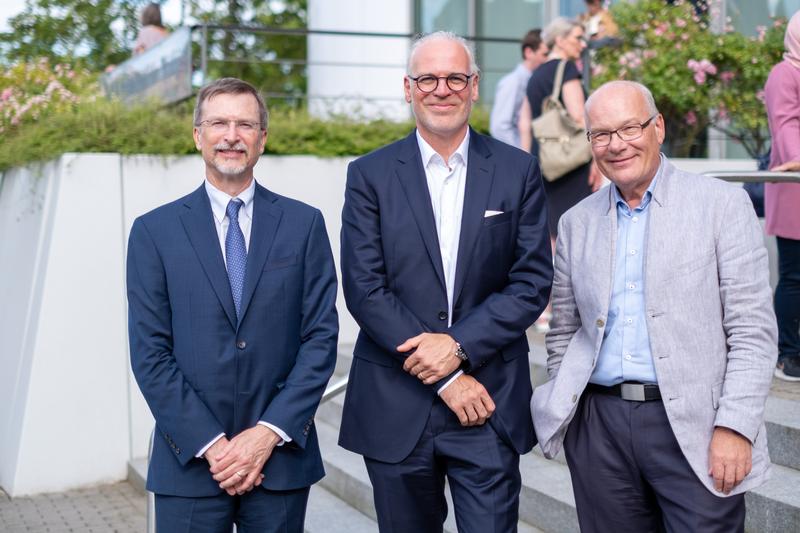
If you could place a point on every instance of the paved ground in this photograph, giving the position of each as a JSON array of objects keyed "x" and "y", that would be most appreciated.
[{"x": 117, "y": 508}]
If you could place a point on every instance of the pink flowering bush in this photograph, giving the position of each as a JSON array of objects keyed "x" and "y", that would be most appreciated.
[
  {"x": 29, "y": 91},
  {"x": 699, "y": 78}
]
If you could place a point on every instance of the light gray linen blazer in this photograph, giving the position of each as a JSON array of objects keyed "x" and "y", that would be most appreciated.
[{"x": 709, "y": 314}]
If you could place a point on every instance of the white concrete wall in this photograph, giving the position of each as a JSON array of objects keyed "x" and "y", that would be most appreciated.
[
  {"x": 72, "y": 414},
  {"x": 373, "y": 86}
]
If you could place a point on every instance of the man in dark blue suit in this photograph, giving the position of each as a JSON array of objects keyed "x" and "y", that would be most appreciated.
[
  {"x": 445, "y": 263},
  {"x": 233, "y": 330}
]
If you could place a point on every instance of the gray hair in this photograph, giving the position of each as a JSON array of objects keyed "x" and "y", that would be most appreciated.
[
  {"x": 229, "y": 86},
  {"x": 558, "y": 27},
  {"x": 649, "y": 101},
  {"x": 445, "y": 36}
]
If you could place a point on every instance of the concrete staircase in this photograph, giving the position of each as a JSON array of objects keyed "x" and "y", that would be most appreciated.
[{"x": 342, "y": 501}]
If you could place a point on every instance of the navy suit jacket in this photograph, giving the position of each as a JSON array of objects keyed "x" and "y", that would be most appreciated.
[
  {"x": 394, "y": 287},
  {"x": 202, "y": 371}
]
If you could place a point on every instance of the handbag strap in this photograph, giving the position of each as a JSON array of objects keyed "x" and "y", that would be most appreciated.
[{"x": 553, "y": 98}]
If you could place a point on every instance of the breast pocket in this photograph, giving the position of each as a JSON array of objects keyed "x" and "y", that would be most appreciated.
[
  {"x": 280, "y": 262},
  {"x": 494, "y": 220}
]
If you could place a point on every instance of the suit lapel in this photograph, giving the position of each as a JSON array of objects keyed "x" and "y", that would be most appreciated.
[
  {"x": 199, "y": 226},
  {"x": 480, "y": 175},
  {"x": 412, "y": 178},
  {"x": 266, "y": 218}
]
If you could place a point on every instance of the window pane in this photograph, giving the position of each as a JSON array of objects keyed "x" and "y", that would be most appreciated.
[
  {"x": 503, "y": 18},
  {"x": 451, "y": 15},
  {"x": 747, "y": 14}
]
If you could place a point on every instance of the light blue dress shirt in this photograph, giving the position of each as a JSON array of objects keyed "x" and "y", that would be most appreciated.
[{"x": 625, "y": 352}]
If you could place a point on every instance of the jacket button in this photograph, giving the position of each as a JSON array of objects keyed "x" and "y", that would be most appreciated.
[
  {"x": 600, "y": 323},
  {"x": 241, "y": 345},
  {"x": 442, "y": 315},
  {"x": 574, "y": 398}
]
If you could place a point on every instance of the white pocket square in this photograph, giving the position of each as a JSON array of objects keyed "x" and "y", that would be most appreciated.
[{"x": 490, "y": 213}]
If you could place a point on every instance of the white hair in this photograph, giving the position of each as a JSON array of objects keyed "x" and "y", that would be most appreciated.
[
  {"x": 649, "y": 101},
  {"x": 445, "y": 36},
  {"x": 558, "y": 27}
]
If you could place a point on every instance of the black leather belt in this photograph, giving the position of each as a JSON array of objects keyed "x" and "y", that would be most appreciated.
[{"x": 634, "y": 392}]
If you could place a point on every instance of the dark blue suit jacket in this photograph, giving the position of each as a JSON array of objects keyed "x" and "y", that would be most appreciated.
[
  {"x": 203, "y": 372},
  {"x": 394, "y": 287}
]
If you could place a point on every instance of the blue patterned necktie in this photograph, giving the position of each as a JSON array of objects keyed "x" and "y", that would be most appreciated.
[{"x": 235, "y": 253}]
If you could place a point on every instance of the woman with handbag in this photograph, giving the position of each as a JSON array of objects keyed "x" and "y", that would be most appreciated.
[
  {"x": 565, "y": 38},
  {"x": 555, "y": 105}
]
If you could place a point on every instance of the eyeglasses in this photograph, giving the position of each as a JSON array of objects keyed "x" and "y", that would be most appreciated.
[
  {"x": 427, "y": 83},
  {"x": 631, "y": 132},
  {"x": 218, "y": 125}
]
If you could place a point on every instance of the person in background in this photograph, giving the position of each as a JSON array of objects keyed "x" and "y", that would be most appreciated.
[
  {"x": 509, "y": 96},
  {"x": 152, "y": 31},
  {"x": 597, "y": 21},
  {"x": 782, "y": 200},
  {"x": 565, "y": 39}
]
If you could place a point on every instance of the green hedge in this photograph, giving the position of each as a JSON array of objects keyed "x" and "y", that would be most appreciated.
[{"x": 104, "y": 126}]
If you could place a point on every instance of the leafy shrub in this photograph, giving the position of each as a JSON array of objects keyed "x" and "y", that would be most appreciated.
[{"x": 107, "y": 126}]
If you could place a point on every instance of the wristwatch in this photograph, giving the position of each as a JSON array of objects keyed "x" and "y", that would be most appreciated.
[{"x": 460, "y": 353}]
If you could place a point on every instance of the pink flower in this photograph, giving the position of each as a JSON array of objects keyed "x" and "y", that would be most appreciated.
[
  {"x": 7, "y": 92},
  {"x": 661, "y": 29},
  {"x": 700, "y": 69},
  {"x": 762, "y": 31},
  {"x": 722, "y": 112},
  {"x": 699, "y": 77},
  {"x": 690, "y": 118},
  {"x": 680, "y": 23},
  {"x": 649, "y": 54},
  {"x": 726, "y": 76}
]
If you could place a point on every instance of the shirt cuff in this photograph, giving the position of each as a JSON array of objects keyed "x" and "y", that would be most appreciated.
[
  {"x": 205, "y": 448},
  {"x": 449, "y": 381},
  {"x": 282, "y": 434}
]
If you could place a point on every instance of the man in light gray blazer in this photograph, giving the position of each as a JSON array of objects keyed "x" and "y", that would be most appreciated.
[{"x": 663, "y": 337}]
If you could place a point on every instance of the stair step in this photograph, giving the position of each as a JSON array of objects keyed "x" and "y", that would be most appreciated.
[
  {"x": 328, "y": 513},
  {"x": 137, "y": 473}
]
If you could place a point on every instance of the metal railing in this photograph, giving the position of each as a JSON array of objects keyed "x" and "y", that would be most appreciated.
[
  {"x": 330, "y": 392},
  {"x": 756, "y": 176}
]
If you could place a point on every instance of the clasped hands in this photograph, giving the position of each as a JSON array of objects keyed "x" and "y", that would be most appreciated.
[
  {"x": 237, "y": 463},
  {"x": 433, "y": 359}
]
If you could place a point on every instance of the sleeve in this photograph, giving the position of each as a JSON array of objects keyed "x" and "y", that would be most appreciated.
[
  {"x": 292, "y": 410},
  {"x": 181, "y": 416},
  {"x": 748, "y": 318},
  {"x": 502, "y": 125},
  {"x": 500, "y": 318},
  {"x": 782, "y": 97},
  {"x": 366, "y": 289},
  {"x": 571, "y": 72},
  {"x": 566, "y": 319}
]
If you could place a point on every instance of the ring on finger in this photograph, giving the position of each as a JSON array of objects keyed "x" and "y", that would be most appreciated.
[{"x": 241, "y": 473}]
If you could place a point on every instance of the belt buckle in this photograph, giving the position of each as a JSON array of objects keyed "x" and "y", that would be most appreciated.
[{"x": 633, "y": 392}]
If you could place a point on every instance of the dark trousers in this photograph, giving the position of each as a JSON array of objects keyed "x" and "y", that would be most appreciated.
[
  {"x": 257, "y": 511},
  {"x": 483, "y": 472},
  {"x": 629, "y": 474},
  {"x": 787, "y": 298}
]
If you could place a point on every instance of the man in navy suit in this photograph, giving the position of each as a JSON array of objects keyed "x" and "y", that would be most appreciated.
[
  {"x": 233, "y": 329},
  {"x": 445, "y": 263}
]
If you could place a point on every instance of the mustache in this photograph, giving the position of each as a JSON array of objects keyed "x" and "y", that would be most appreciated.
[{"x": 227, "y": 146}]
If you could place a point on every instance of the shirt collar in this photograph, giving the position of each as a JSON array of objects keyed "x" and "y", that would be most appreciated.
[
  {"x": 219, "y": 200},
  {"x": 427, "y": 152},
  {"x": 648, "y": 195}
]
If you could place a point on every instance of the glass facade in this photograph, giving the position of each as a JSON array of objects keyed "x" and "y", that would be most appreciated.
[
  {"x": 747, "y": 15},
  {"x": 509, "y": 19}
]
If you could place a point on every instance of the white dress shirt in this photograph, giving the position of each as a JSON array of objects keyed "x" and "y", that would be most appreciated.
[
  {"x": 219, "y": 205},
  {"x": 446, "y": 184}
]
